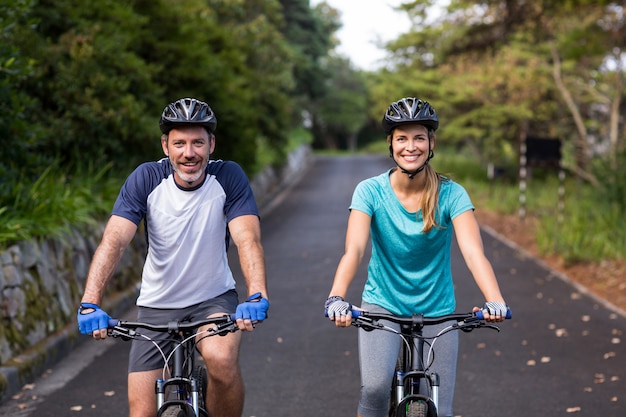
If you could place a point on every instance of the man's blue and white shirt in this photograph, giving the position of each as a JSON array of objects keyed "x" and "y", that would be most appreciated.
[{"x": 187, "y": 230}]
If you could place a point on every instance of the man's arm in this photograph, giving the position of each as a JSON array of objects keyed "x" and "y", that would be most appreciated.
[
  {"x": 246, "y": 234},
  {"x": 117, "y": 235}
]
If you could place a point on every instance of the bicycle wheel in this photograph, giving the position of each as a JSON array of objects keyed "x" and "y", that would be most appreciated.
[
  {"x": 174, "y": 411},
  {"x": 201, "y": 376},
  {"x": 417, "y": 408}
]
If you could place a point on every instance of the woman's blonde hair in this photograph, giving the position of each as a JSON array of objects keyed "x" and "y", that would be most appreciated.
[{"x": 430, "y": 199}]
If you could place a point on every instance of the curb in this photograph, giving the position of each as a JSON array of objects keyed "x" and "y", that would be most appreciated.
[{"x": 580, "y": 288}]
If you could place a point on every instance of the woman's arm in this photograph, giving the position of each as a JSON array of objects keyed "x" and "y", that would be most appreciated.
[
  {"x": 357, "y": 237},
  {"x": 471, "y": 244}
]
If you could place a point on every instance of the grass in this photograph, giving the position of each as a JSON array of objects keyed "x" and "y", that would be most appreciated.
[{"x": 54, "y": 203}]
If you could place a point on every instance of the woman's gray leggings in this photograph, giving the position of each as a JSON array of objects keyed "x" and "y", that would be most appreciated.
[{"x": 378, "y": 353}]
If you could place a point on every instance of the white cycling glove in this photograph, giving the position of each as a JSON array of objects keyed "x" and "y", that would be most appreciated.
[
  {"x": 495, "y": 308},
  {"x": 336, "y": 306}
]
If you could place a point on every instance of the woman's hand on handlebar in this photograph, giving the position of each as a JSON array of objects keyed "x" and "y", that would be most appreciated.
[
  {"x": 338, "y": 310},
  {"x": 494, "y": 311}
]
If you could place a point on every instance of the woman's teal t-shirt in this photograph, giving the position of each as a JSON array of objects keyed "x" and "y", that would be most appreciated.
[{"x": 409, "y": 271}]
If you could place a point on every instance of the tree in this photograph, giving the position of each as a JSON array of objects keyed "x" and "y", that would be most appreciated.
[
  {"x": 504, "y": 64},
  {"x": 17, "y": 134}
]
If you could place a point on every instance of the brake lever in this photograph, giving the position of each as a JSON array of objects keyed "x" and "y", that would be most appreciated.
[
  {"x": 474, "y": 323},
  {"x": 124, "y": 334},
  {"x": 225, "y": 328},
  {"x": 366, "y": 323}
]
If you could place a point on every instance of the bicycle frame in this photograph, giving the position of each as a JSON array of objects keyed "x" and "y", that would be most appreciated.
[
  {"x": 185, "y": 383},
  {"x": 406, "y": 397},
  {"x": 181, "y": 392},
  {"x": 411, "y": 375}
]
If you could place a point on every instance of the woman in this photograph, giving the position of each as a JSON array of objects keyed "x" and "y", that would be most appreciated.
[{"x": 409, "y": 212}]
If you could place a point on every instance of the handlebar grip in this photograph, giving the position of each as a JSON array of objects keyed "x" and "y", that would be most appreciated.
[
  {"x": 113, "y": 323},
  {"x": 355, "y": 313},
  {"x": 479, "y": 314}
]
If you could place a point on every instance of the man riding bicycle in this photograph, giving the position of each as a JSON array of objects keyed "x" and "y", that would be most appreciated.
[{"x": 191, "y": 207}]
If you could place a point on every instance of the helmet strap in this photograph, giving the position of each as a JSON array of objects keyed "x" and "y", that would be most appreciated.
[{"x": 412, "y": 174}]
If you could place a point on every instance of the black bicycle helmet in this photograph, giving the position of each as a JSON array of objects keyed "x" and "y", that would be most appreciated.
[
  {"x": 187, "y": 112},
  {"x": 410, "y": 110}
]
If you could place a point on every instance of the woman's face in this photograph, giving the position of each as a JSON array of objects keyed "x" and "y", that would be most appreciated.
[{"x": 410, "y": 146}]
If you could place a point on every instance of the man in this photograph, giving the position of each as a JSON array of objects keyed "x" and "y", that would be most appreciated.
[{"x": 191, "y": 207}]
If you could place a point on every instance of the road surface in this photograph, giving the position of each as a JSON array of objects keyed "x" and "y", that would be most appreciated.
[{"x": 561, "y": 355}]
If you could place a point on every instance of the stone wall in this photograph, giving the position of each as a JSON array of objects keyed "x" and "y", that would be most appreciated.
[{"x": 41, "y": 283}]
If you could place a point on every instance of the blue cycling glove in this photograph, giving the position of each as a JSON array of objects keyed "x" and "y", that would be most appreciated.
[
  {"x": 254, "y": 308},
  {"x": 92, "y": 321}
]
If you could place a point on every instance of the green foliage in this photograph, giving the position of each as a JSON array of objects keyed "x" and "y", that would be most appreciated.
[
  {"x": 82, "y": 86},
  {"x": 590, "y": 228},
  {"x": 17, "y": 136},
  {"x": 499, "y": 71},
  {"x": 54, "y": 203},
  {"x": 342, "y": 111}
]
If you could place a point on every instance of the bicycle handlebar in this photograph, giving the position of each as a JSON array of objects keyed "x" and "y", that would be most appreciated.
[
  {"x": 465, "y": 321},
  {"x": 224, "y": 324},
  {"x": 427, "y": 320}
]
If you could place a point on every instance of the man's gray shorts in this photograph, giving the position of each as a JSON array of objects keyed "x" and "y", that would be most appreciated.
[{"x": 144, "y": 356}]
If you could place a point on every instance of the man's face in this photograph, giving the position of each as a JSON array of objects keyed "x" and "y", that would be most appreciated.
[{"x": 188, "y": 149}]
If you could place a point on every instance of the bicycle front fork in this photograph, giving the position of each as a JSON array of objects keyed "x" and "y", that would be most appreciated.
[
  {"x": 178, "y": 384},
  {"x": 415, "y": 377}
]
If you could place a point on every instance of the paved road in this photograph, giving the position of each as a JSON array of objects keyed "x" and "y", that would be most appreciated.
[{"x": 561, "y": 355}]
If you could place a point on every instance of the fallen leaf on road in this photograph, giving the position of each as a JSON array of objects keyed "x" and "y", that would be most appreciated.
[{"x": 561, "y": 333}]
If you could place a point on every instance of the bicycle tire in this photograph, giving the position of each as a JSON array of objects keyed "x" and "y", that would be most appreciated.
[
  {"x": 201, "y": 376},
  {"x": 174, "y": 411},
  {"x": 417, "y": 408}
]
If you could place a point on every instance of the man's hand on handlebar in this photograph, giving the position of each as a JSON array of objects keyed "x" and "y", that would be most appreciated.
[
  {"x": 93, "y": 320},
  {"x": 251, "y": 311}
]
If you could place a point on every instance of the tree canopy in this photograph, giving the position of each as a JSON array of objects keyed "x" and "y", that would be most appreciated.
[{"x": 501, "y": 70}]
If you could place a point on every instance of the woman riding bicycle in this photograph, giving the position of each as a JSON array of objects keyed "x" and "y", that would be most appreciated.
[{"x": 409, "y": 212}]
